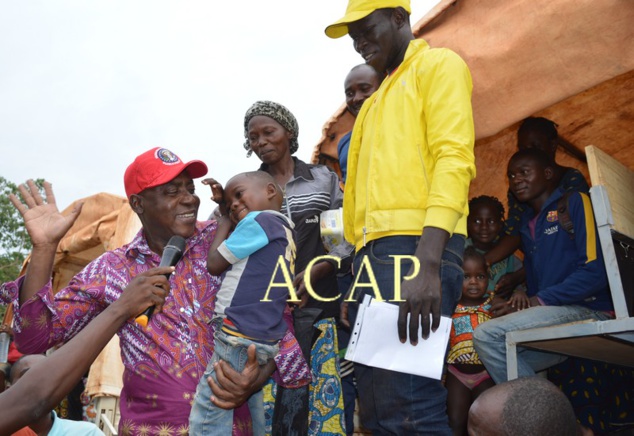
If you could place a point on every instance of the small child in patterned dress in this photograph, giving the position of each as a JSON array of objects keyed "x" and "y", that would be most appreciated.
[{"x": 466, "y": 376}]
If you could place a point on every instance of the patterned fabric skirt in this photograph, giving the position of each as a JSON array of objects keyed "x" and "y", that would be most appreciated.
[{"x": 325, "y": 415}]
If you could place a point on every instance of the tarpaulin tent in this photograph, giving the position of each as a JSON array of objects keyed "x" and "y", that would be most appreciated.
[{"x": 569, "y": 60}]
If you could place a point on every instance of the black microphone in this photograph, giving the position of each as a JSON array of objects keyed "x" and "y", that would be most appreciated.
[{"x": 172, "y": 253}]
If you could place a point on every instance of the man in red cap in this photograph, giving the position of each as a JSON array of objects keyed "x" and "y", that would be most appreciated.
[
  {"x": 410, "y": 164},
  {"x": 163, "y": 361}
]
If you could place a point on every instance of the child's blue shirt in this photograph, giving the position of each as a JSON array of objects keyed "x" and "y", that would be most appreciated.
[{"x": 256, "y": 250}]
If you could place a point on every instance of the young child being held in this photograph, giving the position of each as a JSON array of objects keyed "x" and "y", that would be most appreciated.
[
  {"x": 247, "y": 259},
  {"x": 484, "y": 223},
  {"x": 466, "y": 376}
]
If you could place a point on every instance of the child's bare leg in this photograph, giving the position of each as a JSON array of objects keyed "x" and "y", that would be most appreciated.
[{"x": 458, "y": 403}]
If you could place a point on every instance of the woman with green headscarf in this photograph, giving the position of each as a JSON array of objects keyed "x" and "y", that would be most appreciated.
[{"x": 271, "y": 132}]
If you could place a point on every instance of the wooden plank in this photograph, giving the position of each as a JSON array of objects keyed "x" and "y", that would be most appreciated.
[
  {"x": 601, "y": 348},
  {"x": 619, "y": 182}
]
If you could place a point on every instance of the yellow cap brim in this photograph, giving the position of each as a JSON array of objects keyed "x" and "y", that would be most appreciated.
[{"x": 340, "y": 27}]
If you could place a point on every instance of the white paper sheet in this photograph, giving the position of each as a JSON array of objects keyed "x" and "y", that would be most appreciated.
[{"x": 374, "y": 342}]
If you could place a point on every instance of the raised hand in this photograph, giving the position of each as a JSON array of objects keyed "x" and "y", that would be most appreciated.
[
  {"x": 46, "y": 226},
  {"x": 217, "y": 195},
  {"x": 217, "y": 192},
  {"x": 43, "y": 221}
]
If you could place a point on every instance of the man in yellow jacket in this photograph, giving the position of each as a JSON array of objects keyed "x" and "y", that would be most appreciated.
[{"x": 410, "y": 164}]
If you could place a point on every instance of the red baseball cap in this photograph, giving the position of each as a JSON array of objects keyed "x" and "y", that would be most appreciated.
[{"x": 156, "y": 167}]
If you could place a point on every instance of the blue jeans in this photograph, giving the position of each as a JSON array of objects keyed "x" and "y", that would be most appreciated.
[
  {"x": 207, "y": 419},
  {"x": 489, "y": 338},
  {"x": 391, "y": 402}
]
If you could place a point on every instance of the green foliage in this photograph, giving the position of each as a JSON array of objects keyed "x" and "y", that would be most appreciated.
[{"x": 15, "y": 243}]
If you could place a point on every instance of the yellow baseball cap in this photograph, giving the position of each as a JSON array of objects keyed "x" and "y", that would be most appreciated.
[{"x": 358, "y": 9}]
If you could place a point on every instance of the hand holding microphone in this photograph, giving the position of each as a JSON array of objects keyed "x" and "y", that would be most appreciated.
[{"x": 172, "y": 253}]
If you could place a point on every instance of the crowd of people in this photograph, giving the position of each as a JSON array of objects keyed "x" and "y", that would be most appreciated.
[{"x": 249, "y": 326}]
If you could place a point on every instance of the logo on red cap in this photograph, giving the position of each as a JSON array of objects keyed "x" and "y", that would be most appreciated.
[{"x": 167, "y": 156}]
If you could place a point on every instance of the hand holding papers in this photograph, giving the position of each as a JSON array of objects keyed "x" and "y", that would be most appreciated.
[{"x": 374, "y": 342}]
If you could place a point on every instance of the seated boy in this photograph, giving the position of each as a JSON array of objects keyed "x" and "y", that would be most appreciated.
[
  {"x": 565, "y": 273},
  {"x": 260, "y": 251}
]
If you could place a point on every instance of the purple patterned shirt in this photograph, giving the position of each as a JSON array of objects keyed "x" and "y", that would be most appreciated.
[{"x": 163, "y": 362}]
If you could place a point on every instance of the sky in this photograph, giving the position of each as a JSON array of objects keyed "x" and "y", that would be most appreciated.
[{"x": 86, "y": 86}]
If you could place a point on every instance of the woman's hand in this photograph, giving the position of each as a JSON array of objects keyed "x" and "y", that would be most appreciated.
[
  {"x": 300, "y": 288},
  {"x": 317, "y": 272}
]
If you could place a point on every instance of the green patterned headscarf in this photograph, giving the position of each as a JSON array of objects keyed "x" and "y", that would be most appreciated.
[{"x": 276, "y": 112}]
